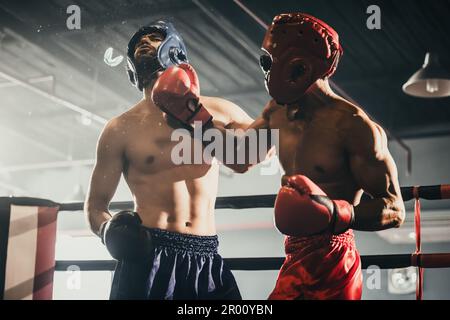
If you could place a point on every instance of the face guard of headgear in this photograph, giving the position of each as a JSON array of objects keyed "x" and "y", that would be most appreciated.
[
  {"x": 298, "y": 50},
  {"x": 171, "y": 51}
]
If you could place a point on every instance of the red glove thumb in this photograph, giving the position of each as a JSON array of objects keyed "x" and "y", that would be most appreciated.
[
  {"x": 194, "y": 84},
  {"x": 178, "y": 80},
  {"x": 304, "y": 185}
]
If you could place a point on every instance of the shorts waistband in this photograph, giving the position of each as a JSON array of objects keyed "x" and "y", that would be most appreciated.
[
  {"x": 292, "y": 243},
  {"x": 184, "y": 242}
]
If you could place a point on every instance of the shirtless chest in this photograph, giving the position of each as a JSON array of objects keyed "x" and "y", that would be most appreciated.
[
  {"x": 150, "y": 146},
  {"x": 311, "y": 145}
]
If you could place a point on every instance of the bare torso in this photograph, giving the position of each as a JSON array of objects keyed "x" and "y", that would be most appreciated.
[
  {"x": 311, "y": 144},
  {"x": 174, "y": 197}
]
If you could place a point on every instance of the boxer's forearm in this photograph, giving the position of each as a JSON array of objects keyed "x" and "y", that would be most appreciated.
[
  {"x": 243, "y": 148},
  {"x": 96, "y": 215},
  {"x": 379, "y": 214},
  {"x": 240, "y": 151}
]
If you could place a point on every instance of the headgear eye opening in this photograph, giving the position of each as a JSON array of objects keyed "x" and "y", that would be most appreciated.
[
  {"x": 265, "y": 61},
  {"x": 176, "y": 55},
  {"x": 297, "y": 71}
]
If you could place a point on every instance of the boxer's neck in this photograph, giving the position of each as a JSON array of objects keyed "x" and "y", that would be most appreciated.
[
  {"x": 147, "y": 96},
  {"x": 318, "y": 94},
  {"x": 147, "y": 92},
  {"x": 321, "y": 88}
]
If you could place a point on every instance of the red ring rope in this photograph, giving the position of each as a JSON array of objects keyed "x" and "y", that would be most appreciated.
[{"x": 419, "y": 286}]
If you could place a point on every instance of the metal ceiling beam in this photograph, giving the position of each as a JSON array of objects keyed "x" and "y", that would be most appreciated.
[
  {"x": 8, "y": 84},
  {"x": 244, "y": 92},
  {"x": 216, "y": 18},
  {"x": 13, "y": 188},
  {"x": 62, "y": 102},
  {"x": 75, "y": 65},
  {"x": 33, "y": 142},
  {"x": 48, "y": 165},
  {"x": 143, "y": 11}
]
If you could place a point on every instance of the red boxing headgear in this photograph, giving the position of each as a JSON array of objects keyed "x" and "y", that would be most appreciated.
[{"x": 299, "y": 50}]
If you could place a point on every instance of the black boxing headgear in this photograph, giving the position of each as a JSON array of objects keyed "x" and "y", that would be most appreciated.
[
  {"x": 299, "y": 49},
  {"x": 171, "y": 51}
]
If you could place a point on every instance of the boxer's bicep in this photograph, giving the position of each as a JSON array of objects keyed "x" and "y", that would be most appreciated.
[
  {"x": 108, "y": 167},
  {"x": 371, "y": 163},
  {"x": 375, "y": 176},
  {"x": 375, "y": 172}
]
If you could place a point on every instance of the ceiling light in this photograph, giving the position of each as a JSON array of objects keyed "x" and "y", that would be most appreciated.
[{"x": 431, "y": 81}]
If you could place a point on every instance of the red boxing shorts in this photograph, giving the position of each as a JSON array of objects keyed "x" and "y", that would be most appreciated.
[{"x": 321, "y": 267}]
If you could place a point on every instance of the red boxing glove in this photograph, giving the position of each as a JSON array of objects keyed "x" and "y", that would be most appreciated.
[
  {"x": 303, "y": 209},
  {"x": 177, "y": 93}
]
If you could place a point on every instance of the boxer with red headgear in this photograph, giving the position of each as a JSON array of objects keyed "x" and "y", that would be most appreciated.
[
  {"x": 299, "y": 49},
  {"x": 331, "y": 152}
]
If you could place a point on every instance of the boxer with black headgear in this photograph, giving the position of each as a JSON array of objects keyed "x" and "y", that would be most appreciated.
[
  {"x": 171, "y": 51},
  {"x": 331, "y": 152},
  {"x": 167, "y": 247}
]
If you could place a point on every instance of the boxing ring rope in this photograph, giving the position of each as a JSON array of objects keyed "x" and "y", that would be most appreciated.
[
  {"x": 390, "y": 261},
  {"x": 435, "y": 260},
  {"x": 435, "y": 192},
  {"x": 416, "y": 259}
]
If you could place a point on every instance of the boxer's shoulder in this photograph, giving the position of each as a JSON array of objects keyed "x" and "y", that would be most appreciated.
[
  {"x": 137, "y": 114},
  {"x": 351, "y": 116},
  {"x": 114, "y": 124},
  {"x": 361, "y": 133},
  {"x": 345, "y": 109},
  {"x": 111, "y": 135},
  {"x": 125, "y": 121}
]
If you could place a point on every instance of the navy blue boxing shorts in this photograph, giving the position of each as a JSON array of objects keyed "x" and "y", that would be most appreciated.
[{"x": 182, "y": 266}]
